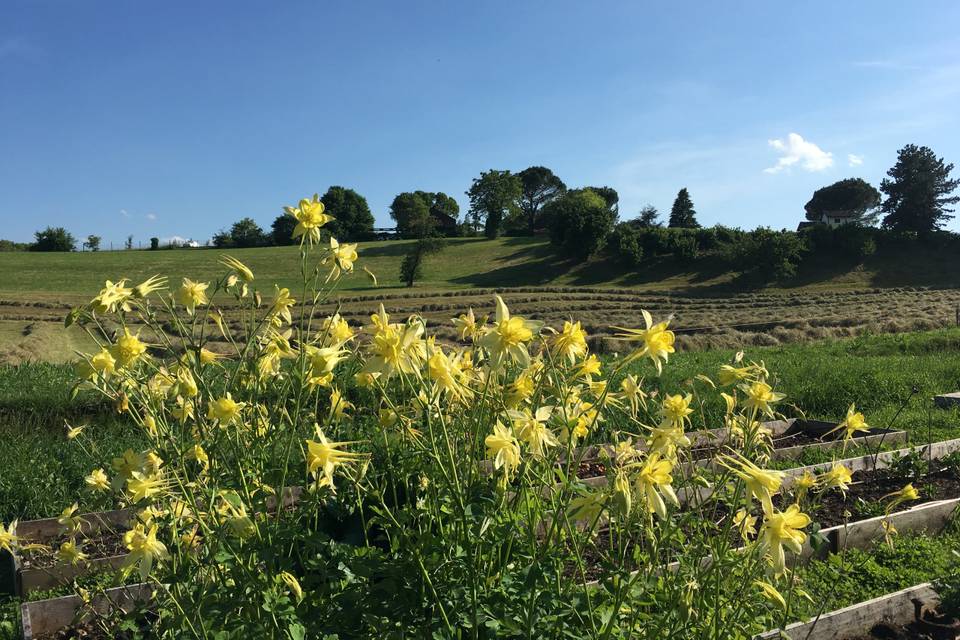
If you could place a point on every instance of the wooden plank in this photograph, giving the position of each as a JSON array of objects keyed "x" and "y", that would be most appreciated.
[
  {"x": 856, "y": 620},
  {"x": 947, "y": 400},
  {"x": 43, "y": 617},
  {"x": 47, "y": 528},
  {"x": 31, "y": 580}
]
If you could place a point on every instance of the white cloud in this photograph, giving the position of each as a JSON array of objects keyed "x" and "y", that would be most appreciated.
[
  {"x": 151, "y": 216},
  {"x": 124, "y": 213},
  {"x": 797, "y": 151},
  {"x": 854, "y": 160}
]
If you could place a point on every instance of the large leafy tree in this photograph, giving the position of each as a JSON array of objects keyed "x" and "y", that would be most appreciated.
[
  {"x": 609, "y": 195},
  {"x": 580, "y": 222},
  {"x": 648, "y": 217},
  {"x": 854, "y": 197},
  {"x": 53, "y": 239},
  {"x": 494, "y": 196},
  {"x": 281, "y": 231},
  {"x": 352, "y": 217},
  {"x": 92, "y": 243},
  {"x": 539, "y": 186},
  {"x": 246, "y": 233},
  {"x": 918, "y": 191},
  {"x": 682, "y": 213},
  {"x": 422, "y": 213},
  {"x": 411, "y": 212}
]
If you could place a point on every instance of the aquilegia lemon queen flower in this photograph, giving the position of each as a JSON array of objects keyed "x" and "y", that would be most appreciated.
[
  {"x": 783, "y": 529},
  {"x": 310, "y": 217},
  {"x": 657, "y": 340}
]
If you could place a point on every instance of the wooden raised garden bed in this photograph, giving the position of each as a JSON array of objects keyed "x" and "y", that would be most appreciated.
[
  {"x": 44, "y": 618},
  {"x": 947, "y": 400},
  {"x": 902, "y": 614},
  {"x": 101, "y": 536}
]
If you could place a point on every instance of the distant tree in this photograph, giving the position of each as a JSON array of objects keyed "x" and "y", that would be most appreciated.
[
  {"x": 682, "y": 214},
  {"x": 494, "y": 196},
  {"x": 221, "y": 239},
  {"x": 539, "y": 186},
  {"x": 624, "y": 244},
  {"x": 281, "y": 231},
  {"x": 129, "y": 243},
  {"x": 609, "y": 195},
  {"x": 580, "y": 222},
  {"x": 445, "y": 213},
  {"x": 853, "y": 197},
  {"x": 154, "y": 243},
  {"x": 918, "y": 191},
  {"x": 92, "y": 243},
  {"x": 53, "y": 239},
  {"x": 351, "y": 213},
  {"x": 648, "y": 217},
  {"x": 411, "y": 212},
  {"x": 411, "y": 268},
  {"x": 245, "y": 232},
  {"x": 10, "y": 245}
]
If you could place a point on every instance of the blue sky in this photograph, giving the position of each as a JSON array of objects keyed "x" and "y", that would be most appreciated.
[{"x": 178, "y": 118}]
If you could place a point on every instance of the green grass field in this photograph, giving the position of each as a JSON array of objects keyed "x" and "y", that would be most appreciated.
[{"x": 506, "y": 262}]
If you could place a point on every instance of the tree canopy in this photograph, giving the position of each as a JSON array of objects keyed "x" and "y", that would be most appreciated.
[
  {"x": 539, "y": 186},
  {"x": 682, "y": 213},
  {"x": 918, "y": 191},
  {"x": 53, "y": 239},
  {"x": 609, "y": 195},
  {"x": 281, "y": 231},
  {"x": 580, "y": 222},
  {"x": 352, "y": 217},
  {"x": 853, "y": 197},
  {"x": 648, "y": 217},
  {"x": 494, "y": 196}
]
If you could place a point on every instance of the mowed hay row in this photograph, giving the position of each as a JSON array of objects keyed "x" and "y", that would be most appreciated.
[{"x": 762, "y": 319}]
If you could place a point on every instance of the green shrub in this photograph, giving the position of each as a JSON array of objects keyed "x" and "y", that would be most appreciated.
[{"x": 625, "y": 246}]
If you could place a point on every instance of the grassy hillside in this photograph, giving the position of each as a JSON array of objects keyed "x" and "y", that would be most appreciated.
[{"x": 506, "y": 262}]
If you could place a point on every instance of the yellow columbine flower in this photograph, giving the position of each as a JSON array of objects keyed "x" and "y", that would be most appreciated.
[
  {"x": 502, "y": 446},
  {"x": 144, "y": 549},
  {"x": 323, "y": 457},
  {"x": 225, "y": 410},
  {"x": 103, "y": 363},
  {"x": 654, "y": 482},
  {"x": 144, "y": 487},
  {"x": 322, "y": 362},
  {"x": 761, "y": 397},
  {"x": 589, "y": 367},
  {"x": 239, "y": 269},
  {"x": 839, "y": 476},
  {"x": 622, "y": 493},
  {"x": 571, "y": 343},
  {"x": 783, "y": 529},
  {"x": 508, "y": 337},
  {"x": 112, "y": 297},
  {"x": 532, "y": 429},
  {"x": 192, "y": 294},
  {"x": 339, "y": 405},
  {"x": 97, "y": 480},
  {"x": 342, "y": 257},
  {"x": 730, "y": 375},
  {"x": 126, "y": 464},
  {"x": 906, "y": 494},
  {"x": 770, "y": 593},
  {"x": 208, "y": 357},
  {"x": 8, "y": 536},
  {"x": 69, "y": 521},
  {"x": 128, "y": 349},
  {"x": 196, "y": 452},
  {"x": 657, "y": 340},
  {"x": 280, "y": 309},
  {"x": 336, "y": 331},
  {"x": 186, "y": 384},
  {"x": 761, "y": 483},
  {"x": 632, "y": 392},
  {"x": 71, "y": 553},
  {"x": 888, "y": 531},
  {"x": 73, "y": 432},
  {"x": 745, "y": 523},
  {"x": 293, "y": 584},
  {"x": 310, "y": 217},
  {"x": 148, "y": 286},
  {"x": 804, "y": 483},
  {"x": 675, "y": 410},
  {"x": 853, "y": 424},
  {"x": 666, "y": 439},
  {"x": 467, "y": 326},
  {"x": 395, "y": 347}
]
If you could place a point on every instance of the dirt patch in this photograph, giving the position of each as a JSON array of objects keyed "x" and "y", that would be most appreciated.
[{"x": 104, "y": 545}]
